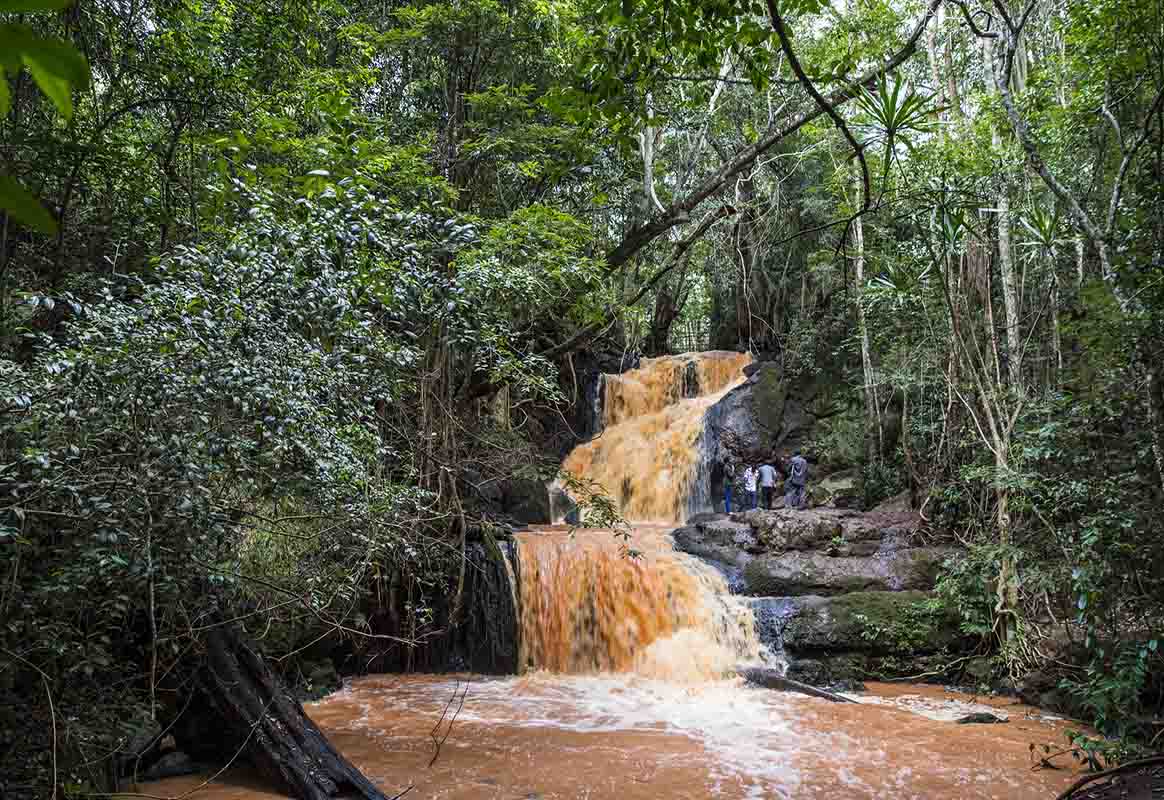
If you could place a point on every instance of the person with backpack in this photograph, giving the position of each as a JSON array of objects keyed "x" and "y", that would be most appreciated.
[{"x": 794, "y": 486}]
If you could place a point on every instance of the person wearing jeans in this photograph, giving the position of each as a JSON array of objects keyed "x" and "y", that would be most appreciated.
[
  {"x": 768, "y": 484},
  {"x": 749, "y": 488},
  {"x": 727, "y": 488}
]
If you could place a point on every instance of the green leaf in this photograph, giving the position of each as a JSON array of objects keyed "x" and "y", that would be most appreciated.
[
  {"x": 61, "y": 58},
  {"x": 56, "y": 88},
  {"x": 21, "y": 204},
  {"x": 13, "y": 39},
  {"x": 5, "y": 97},
  {"x": 21, "y": 6},
  {"x": 57, "y": 67}
]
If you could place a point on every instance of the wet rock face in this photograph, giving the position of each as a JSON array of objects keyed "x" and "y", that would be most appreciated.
[
  {"x": 758, "y": 421},
  {"x": 843, "y": 594},
  {"x": 723, "y": 540}
]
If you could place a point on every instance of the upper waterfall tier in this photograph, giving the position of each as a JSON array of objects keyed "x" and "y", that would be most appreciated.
[{"x": 648, "y": 457}]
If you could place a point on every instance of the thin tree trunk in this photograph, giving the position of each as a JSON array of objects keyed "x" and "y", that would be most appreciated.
[
  {"x": 1010, "y": 297},
  {"x": 1006, "y": 268},
  {"x": 1155, "y": 389},
  {"x": 914, "y": 500},
  {"x": 1079, "y": 260},
  {"x": 1005, "y": 609},
  {"x": 1056, "y": 338},
  {"x": 872, "y": 406}
]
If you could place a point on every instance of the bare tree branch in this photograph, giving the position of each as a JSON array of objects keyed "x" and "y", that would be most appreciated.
[{"x": 793, "y": 62}]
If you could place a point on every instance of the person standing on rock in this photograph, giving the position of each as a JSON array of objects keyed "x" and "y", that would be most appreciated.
[
  {"x": 768, "y": 484},
  {"x": 729, "y": 476},
  {"x": 749, "y": 488},
  {"x": 797, "y": 479}
]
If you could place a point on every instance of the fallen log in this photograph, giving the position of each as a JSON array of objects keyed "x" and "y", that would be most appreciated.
[
  {"x": 771, "y": 679},
  {"x": 264, "y": 724}
]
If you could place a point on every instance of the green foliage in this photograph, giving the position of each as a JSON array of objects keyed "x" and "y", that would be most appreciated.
[
  {"x": 23, "y": 205},
  {"x": 896, "y": 114},
  {"x": 966, "y": 585},
  {"x": 58, "y": 69},
  {"x": 880, "y": 480}
]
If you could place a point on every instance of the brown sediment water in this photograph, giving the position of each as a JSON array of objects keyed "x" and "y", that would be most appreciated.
[
  {"x": 556, "y": 737},
  {"x": 647, "y": 456},
  {"x": 628, "y": 648},
  {"x": 626, "y": 696}
]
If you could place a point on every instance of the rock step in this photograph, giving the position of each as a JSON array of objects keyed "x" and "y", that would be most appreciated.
[
  {"x": 815, "y": 552},
  {"x": 813, "y": 573}
]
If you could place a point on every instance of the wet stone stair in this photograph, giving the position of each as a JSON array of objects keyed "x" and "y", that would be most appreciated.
[{"x": 842, "y": 595}]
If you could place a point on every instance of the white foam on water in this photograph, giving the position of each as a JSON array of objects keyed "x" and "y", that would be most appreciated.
[{"x": 750, "y": 734}]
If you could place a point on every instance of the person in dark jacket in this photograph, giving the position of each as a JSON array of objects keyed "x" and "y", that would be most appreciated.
[{"x": 794, "y": 485}]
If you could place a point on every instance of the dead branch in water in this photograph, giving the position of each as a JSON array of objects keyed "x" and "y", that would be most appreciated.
[
  {"x": 433, "y": 733},
  {"x": 770, "y": 679}
]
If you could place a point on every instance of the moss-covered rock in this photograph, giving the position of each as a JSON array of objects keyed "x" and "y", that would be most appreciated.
[{"x": 882, "y": 623}]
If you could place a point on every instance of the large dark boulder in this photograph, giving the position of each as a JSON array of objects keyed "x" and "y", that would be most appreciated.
[
  {"x": 526, "y": 501},
  {"x": 763, "y": 417}
]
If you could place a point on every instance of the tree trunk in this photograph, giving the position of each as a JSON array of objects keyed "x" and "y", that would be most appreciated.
[
  {"x": 1006, "y": 607},
  {"x": 914, "y": 483},
  {"x": 1156, "y": 419},
  {"x": 771, "y": 679},
  {"x": 260, "y": 721},
  {"x": 1079, "y": 261},
  {"x": 1056, "y": 336},
  {"x": 872, "y": 406},
  {"x": 1010, "y": 298}
]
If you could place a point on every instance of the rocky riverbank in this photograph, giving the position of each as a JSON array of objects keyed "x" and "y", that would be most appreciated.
[{"x": 844, "y": 594}]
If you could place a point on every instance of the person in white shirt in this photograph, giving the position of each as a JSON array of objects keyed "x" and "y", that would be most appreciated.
[
  {"x": 768, "y": 483},
  {"x": 749, "y": 488}
]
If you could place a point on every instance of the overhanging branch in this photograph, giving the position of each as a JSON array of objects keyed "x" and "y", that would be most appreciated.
[
  {"x": 823, "y": 104},
  {"x": 680, "y": 210}
]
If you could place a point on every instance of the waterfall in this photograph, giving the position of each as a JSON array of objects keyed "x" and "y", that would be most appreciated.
[
  {"x": 587, "y": 606},
  {"x": 591, "y": 602},
  {"x": 651, "y": 457}
]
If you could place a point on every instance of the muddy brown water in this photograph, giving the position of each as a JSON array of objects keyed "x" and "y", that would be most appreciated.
[{"x": 562, "y": 737}]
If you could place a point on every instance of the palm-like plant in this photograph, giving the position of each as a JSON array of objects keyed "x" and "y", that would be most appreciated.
[
  {"x": 893, "y": 113},
  {"x": 1042, "y": 225}
]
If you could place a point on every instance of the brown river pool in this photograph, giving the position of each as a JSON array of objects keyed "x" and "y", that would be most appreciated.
[{"x": 565, "y": 737}]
